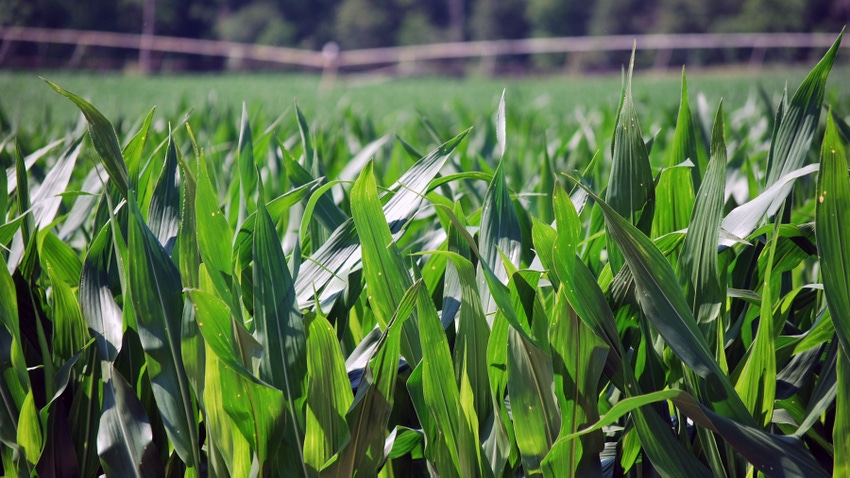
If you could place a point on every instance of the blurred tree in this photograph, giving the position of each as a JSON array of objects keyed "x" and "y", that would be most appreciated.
[
  {"x": 766, "y": 16},
  {"x": 624, "y": 17},
  {"x": 365, "y": 24},
  {"x": 559, "y": 17},
  {"x": 259, "y": 22},
  {"x": 495, "y": 19}
]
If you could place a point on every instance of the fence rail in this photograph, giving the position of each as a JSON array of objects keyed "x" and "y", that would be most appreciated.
[{"x": 333, "y": 59}]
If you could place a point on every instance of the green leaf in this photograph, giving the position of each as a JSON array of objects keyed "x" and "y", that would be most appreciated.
[
  {"x": 664, "y": 304},
  {"x": 158, "y": 304},
  {"x": 124, "y": 438},
  {"x": 499, "y": 234},
  {"x": 14, "y": 381},
  {"x": 61, "y": 257},
  {"x": 440, "y": 391},
  {"x": 164, "y": 210},
  {"x": 30, "y": 435},
  {"x": 698, "y": 261},
  {"x": 328, "y": 394},
  {"x": 214, "y": 236},
  {"x": 328, "y": 213},
  {"x": 134, "y": 150},
  {"x": 387, "y": 277},
  {"x": 189, "y": 262},
  {"x": 578, "y": 357},
  {"x": 257, "y": 410},
  {"x": 832, "y": 227},
  {"x": 103, "y": 138},
  {"x": 757, "y": 446},
  {"x": 794, "y": 135},
  {"x": 631, "y": 187},
  {"x": 247, "y": 167},
  {"x": 280, "y": 329},
  {"x": 757, "y": 381},
  {"x": 841, "y": 432},
  {"x": 327, "y": 268},
  {"x": 370, "y": 412},
  {"x": 676, "y": 183},
  {"x": 100, "y": 310},
  {"x": 70, "y": 332},
  {"x": 537, "y": 418},
  {"x": 228, "y": 451}
]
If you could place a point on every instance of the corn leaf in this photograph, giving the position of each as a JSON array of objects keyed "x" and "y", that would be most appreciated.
[
  {"x": 578, "y": 357},
  {"x": 326, "y": 269},
  {"x": 257, "y": 410},
  {"x": 102, "y": 313},
  {"x": 841, "y": 432},
  {"x": 328, "y": 394},
  {"x": 158, "y": 304},
  {"x": 124, "y": 438},
  {"x": 677, "y": 182},
  {"x": 164, "y": 210},
  {"x": 832, "y": 226},
  {"x": 631, "y": 186},
  {"x": 499, "y": 234},
  {"x": 387, "y": 277},
  {"x": 370, "y": 412},
  {"x": 280, "y": 330},
  {"x": 103, "y": 138},
  {"x": 698, "y": 262},
  {"x": 664, "y": 304},
  {"x": 799, "y": 122}
]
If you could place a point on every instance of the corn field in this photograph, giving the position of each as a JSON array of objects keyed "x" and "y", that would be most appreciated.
[{"x": 228, "y": 295}]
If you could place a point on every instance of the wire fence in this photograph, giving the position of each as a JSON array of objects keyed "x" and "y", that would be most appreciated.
[{"x": 331, "y": 59}]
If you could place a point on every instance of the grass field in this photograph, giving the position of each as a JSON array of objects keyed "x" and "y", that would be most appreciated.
[
  {"x": 387, "y": 101},
  {"x": 421, "y": 277}
]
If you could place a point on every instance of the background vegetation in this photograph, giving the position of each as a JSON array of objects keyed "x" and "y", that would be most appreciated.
[{"x": 373, "y": 23}]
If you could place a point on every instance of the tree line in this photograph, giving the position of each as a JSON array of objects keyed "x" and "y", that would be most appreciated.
[{"x": 376, "y": 23}]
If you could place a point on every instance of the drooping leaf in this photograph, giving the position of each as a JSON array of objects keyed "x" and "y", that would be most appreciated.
[
  {"x": 664, "y": 304},
  {"x": 795, "y": 133},
  {"x": 104, "y": 139}
]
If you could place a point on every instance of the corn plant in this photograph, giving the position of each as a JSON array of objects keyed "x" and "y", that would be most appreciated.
[{"x": 303, "y": 301}]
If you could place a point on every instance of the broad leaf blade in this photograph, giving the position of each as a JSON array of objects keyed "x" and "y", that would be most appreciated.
[
  {"x": 664, "y": 304},
  {"x": 279, "y": 327},
  {"x": 630, "y": 188},
  {"x": 799, "y": 122},
  {"x": 698, "y": 262},
  {"x": 158, "y": 303},
  {"x": 104, "y": 139},
  {"x": 387, "y": 277},
  {"x": 124, "y": 439},
  {"x": 328, "y": 394},
  {"x": 832, "y": 226}
]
